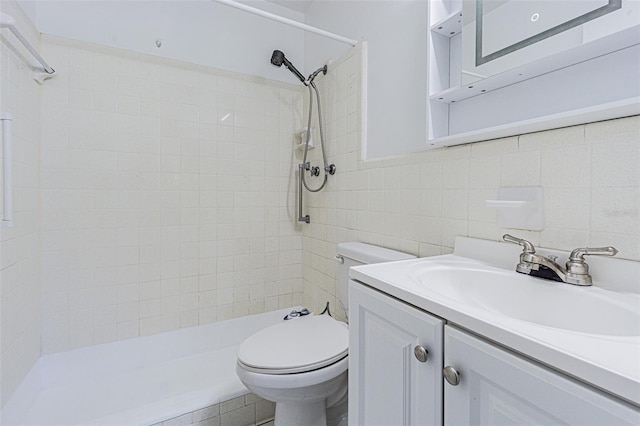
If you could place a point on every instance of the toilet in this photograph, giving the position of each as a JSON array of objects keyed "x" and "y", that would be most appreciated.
[{"x": 301, "y": 362}]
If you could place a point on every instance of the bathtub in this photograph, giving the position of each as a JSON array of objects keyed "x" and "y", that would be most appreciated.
[{"x": 182, "y": 375}]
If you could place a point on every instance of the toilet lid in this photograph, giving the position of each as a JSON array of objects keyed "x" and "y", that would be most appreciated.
[{"x": 294, "y": 346}]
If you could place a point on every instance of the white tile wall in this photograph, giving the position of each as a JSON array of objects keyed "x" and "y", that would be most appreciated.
[
  {"x": 418, "y": 203},
  {"x": 245, "y": 410},
  {"x": 19, "y": 245},
  {"x": 166, "y": 197}
]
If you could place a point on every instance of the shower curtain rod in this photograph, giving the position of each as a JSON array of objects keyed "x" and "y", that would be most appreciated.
[
  {"x": 7, "y": 21},
  {"x": 287, "y": 21}
]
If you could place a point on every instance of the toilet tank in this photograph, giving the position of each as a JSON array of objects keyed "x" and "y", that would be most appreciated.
[{"x": 354, "y": 254}]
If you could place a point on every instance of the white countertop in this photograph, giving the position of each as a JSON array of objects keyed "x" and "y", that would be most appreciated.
[{"x": 611, "y": 363}]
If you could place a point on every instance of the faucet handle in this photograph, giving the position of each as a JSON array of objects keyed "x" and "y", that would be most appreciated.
[
  {"x": 578, "y": 254},
  {"x": 577, "y": 268},
  {"x": 528, "y": 247}
]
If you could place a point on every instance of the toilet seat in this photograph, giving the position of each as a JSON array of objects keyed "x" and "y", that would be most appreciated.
[{"x": 295, "y": 346}]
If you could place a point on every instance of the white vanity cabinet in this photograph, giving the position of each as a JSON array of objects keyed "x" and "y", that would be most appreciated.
[
  {"x": 497, "y": 387},
  {"x": 388, "y": 384}
]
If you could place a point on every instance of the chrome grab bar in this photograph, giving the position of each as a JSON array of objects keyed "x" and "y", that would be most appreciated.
[{"x": 307, "y": 218}]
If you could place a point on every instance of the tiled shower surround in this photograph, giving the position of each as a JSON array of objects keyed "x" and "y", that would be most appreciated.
[
  {"x": 418, "y": 203},
  {"x": 166, "y": 195},
  {"x": 20, "y": 286}
]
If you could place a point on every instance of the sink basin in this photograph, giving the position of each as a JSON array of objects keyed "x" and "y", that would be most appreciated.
[{"x": 545, "y": 303}]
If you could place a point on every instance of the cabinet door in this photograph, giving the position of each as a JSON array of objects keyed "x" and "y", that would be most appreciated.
[
  {"x": 498, "y": 387},
  {"x": 388, "y": 385}
]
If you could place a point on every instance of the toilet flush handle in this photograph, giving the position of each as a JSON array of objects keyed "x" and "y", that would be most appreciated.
[{"x": 339, "y": 258}]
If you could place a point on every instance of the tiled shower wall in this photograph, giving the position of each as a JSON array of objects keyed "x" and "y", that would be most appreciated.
[
  {"x": 19, "y": 244},
  {"x": 418, "y": 203},
  {"x": 167, "y": 194}
]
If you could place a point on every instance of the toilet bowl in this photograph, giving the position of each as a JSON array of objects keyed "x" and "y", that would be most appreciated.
[{"x": 301, "y": 363}]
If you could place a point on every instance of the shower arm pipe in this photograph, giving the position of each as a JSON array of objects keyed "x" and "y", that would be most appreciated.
[
  {"x": 7, "y": 173},
  {"x": 287, "y": 21},
  {"x": 7, "y": 21}
]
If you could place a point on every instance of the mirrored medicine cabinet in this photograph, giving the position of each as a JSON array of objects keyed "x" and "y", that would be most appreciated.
[{"x": 505, "y": 67}]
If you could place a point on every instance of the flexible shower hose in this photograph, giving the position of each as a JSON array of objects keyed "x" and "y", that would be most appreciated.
[{"x": 308, "y": 137}]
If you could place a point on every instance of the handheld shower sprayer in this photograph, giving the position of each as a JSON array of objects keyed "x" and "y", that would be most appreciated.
[{"x": 278, "y": 59}]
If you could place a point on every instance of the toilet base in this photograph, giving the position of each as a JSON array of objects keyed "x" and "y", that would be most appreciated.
[
  {"x": 311, "y": 414},
  {"x": 297, "y": 413},
  {"x": 302, "y": 398}
]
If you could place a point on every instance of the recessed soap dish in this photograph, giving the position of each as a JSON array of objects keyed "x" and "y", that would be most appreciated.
[{"x": 520, "y": 207}]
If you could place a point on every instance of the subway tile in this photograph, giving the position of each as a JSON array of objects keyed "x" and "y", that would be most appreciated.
[
  {"x": 615, "y": 164},
  {"x": 520, "y": 169},
  {"x": 626, "y": 243},
  {"x": 206, "y": 413},
  {"x": 244, "y": 416},
  {"x": 455, "y": 174},
  {"x": 552, "y": 139},
  {"x": 613, "y": 131},
  {"x": 484, "y": 172},
  {"x": 567, "y": 167},
  {"x": 455, "y": 203},
  {"x": 564, "y": 239},
  {"x": 615, "y": 210},
  {"x": 567, "y": 208},
  {"x": 265, "y": 410}
]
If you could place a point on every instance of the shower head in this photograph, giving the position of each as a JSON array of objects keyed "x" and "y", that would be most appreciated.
[{"x": 278, "y": 58}]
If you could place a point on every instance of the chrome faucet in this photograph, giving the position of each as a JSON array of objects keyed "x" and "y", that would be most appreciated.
[{"x": 576, "y": 270}]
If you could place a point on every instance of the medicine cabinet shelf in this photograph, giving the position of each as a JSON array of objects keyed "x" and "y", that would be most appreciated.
[
  {"x": 622, "y": 108},
  {"x": 533, "y": 69},
  {"x": 449, "y": 26}
]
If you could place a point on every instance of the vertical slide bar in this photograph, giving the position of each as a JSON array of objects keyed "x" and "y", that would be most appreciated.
[
  {"x": 307, "y": 218},
  {"x": 7, "y": 174}
]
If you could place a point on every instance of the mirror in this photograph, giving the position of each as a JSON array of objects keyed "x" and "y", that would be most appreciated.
[{"x": 500, "y": 35}]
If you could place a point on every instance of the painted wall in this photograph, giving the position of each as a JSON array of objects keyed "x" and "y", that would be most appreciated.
[
  {"x": 196, "y": 31},
  {"x": 20, "y": 289},
  {"x": 419, "y": 202},
  {"x": 396, "y": 34},
  {"x": 167, "y": 194}
]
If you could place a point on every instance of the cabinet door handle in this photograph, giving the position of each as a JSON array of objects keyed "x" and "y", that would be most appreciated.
[
  {"x": 421, "y": 353},
  {"x": 451, "y": 375}
]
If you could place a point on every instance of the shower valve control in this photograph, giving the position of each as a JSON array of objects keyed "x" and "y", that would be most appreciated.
[
  {"x": 315, "y": 171},
  {"x": 331, "y": 169}
]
